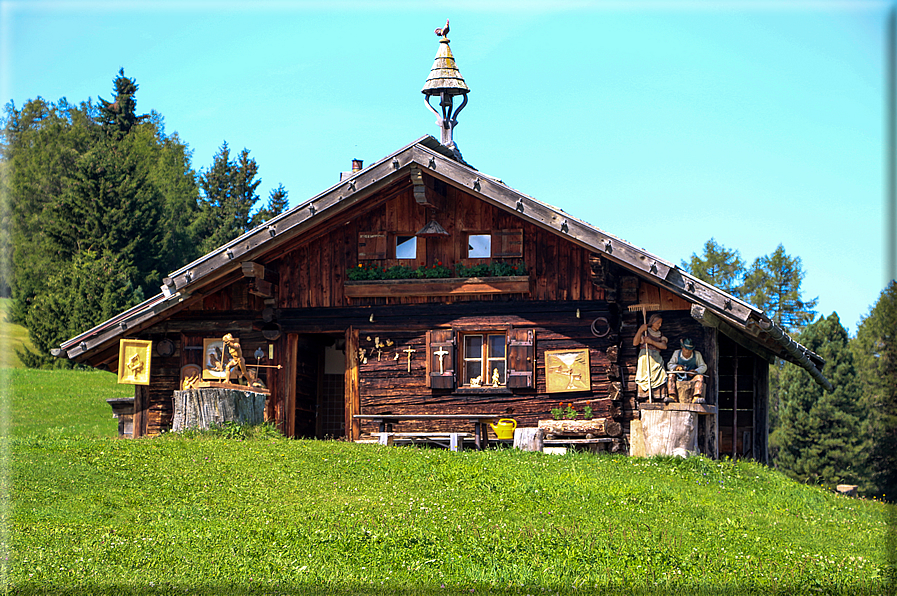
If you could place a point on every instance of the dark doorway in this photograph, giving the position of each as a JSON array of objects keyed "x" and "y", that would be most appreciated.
[{"x": 320, "y": 395}]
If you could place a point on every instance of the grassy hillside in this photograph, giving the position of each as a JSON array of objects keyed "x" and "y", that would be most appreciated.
[
  {"x": 212, "y": 516},
  {"x": 12, "y": 338}
]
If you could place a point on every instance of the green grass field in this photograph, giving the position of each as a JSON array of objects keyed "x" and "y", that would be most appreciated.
[
  {"x": 12, "y": 337},
  {"x": 92, "y": 514}
]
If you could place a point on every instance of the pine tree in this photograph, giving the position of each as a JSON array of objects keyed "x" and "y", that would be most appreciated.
[
  {"x": 718, "y": 266},
  {"x": 228, "y": 196},
  {"x": 93, "y": 179},
  {"x": 277, "y": 204},
  {"x": 119, "y": 116},
  {"x": 875, "y": 349},
  {"x": 91, "y": 288},
  {"x": 42, "y": 143},
  {"x": 773, "y": 284},
  {"x": 818, "y": 440},
  {"x": 112, "y": 207}
]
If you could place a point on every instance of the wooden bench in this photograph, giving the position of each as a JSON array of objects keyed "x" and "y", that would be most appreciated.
[
  {"x": 480, "y": 424},
  {"x": 450, "y": 440}
]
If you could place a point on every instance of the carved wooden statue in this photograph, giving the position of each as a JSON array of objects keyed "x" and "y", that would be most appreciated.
[
  {"x": 686, "y": 378},
  {"x": 651, "y": 376},
  {"x": 235, "y": 351}
]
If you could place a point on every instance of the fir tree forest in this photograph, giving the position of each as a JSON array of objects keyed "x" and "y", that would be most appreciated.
[{"x": 103, "y": 202}]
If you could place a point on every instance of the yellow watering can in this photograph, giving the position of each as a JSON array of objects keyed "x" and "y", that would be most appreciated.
[{"x": 505, "y": 428}]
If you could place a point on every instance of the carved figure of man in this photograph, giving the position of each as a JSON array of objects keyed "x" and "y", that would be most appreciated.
[
  {"x": 686, "y": 383},
  {"x": 650, "y": 373},
  {"x": 235, "y": 351}
]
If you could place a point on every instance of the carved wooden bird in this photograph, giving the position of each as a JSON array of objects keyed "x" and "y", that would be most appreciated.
[{"x": 444, "y": 31}]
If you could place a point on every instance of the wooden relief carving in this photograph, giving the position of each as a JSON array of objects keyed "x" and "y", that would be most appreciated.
[
  {"x": 134, "y": 361},
  {"x": 567, "y": 370}
]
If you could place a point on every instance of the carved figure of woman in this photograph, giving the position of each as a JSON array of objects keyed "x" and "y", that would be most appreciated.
[{"x": 651, "y": 372}]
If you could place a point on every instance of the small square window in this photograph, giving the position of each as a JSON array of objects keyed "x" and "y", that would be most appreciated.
[
  {"x": 406, "y": 247},
  {"x": 479, "y": 246}
]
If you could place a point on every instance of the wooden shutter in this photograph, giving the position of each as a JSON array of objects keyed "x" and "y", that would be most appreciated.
[
  {"x": 507, "y": 243},
  {"x": 441, "y": 341},
  {"x": 372, "y": 245},
  {"x": 521, "y": 358}
]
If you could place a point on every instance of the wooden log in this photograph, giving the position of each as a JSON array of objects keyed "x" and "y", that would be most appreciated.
[
  {"x": 201, "y": 408},
  {"x": 529, "y": 439},
  {"x": 597, "y": 427}
]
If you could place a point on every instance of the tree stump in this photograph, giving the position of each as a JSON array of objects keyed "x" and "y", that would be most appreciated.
[
  {"x": 669, "y": 432},
  {"x": 529, "y": 439},
  {"x": 204, "y": 407}
]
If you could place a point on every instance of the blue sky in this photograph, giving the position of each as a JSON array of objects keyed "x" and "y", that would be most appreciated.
[{"x": 663, "y": 123}]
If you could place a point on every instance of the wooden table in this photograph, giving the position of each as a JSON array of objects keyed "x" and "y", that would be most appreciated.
[{"x": 480, "y": 422}]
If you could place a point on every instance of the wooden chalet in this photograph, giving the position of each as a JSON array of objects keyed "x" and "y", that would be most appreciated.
[{"x": 411, "y": 346}]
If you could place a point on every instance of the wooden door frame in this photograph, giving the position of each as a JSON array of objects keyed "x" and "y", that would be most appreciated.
[{"x": 353, "y": 399}]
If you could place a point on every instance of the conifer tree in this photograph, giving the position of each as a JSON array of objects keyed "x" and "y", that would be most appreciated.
[
  {"x": 718, "y": 266},
  {"x": 875, "y": 349},
  {"x": 95, "y": 180},
  {"x": 818, "y": 440},
  {"x": 119, "y": 116},
  {"x": 773, "y": 284},
  {"x": 89, "y": 289},
  {"x": 228, "y": 196},
  {"x": 277, "y": 204}
]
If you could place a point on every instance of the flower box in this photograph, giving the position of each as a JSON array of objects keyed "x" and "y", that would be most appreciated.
[{"x": 450, "y": 286}]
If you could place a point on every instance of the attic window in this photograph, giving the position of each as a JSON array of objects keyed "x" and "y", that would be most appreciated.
[
  {"x": 406, "y": 247},
  {"x": 479, "y": 246},
  {"x": 497, "y": 244}
]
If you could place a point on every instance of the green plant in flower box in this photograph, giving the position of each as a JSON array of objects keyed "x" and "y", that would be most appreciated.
[{"x": 435, "y": 271}]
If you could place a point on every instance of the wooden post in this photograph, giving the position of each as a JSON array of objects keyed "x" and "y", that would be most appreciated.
[
  {"x": 735, "y": 404},
  {"x": 353, "y": 403},
  {"x": 290, "y": 356},
  {"x": 141, "y": 407}
]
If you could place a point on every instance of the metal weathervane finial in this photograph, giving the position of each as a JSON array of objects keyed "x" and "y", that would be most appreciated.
[
  {"x": 445, "y": 81},
  {"x": 443, "y": 32}
]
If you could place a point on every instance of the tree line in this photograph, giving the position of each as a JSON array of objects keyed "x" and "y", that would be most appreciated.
[
  {"x": 844, "y": 436},
  {"x": 101, "y": 204}
]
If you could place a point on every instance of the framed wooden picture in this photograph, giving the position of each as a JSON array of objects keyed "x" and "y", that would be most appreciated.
[
  {"x": 134, "y": 361},
  {"x": 567, "y": 370},
  {"x": 214, "y": 358}
]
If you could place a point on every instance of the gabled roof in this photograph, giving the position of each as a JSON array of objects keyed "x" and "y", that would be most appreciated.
[{"x": 713, "y": 307}]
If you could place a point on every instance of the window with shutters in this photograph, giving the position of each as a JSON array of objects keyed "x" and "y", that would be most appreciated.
[{"x": 484, "y": 359}]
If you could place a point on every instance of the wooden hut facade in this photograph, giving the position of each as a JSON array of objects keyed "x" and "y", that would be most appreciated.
[{"x": 412, "y": 346}]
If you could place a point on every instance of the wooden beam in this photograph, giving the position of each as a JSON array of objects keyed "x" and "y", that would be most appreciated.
[{"x": 290, "y": 358}]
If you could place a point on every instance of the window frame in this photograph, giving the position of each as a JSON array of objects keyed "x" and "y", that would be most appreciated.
[
  {"x": 485, "y": 357},
  {"x": 395, "y": 245}
]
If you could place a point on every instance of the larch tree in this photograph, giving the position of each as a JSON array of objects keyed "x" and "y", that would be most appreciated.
[
  {"x": 718, "y": 266},
  {"x": 773, "y": 284}
]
